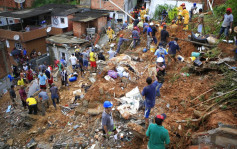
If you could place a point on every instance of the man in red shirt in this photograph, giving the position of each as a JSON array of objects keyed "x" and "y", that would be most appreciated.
[{"x": 29, "y": 75}]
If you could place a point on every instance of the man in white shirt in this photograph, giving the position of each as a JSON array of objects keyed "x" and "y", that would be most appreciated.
[{"x": 73, "y": 60}]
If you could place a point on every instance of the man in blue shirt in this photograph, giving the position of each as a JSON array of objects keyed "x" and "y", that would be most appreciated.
[
  {"x": 121, "y": 40},
  {"x": 150, "y": 96},
  {"x": 160, "y": 52},
  {"x": 125, "y": 25},
  {"x": 173, "y": 47},
  {"x": 164, "y": 15},
  {"x": 44, "y": 98},
  {"x": 42, "y": 79},
  {"x": 149, "y": 35},
  {"x": 136, "y": 37},
  {"x": 145, "y": 26}
]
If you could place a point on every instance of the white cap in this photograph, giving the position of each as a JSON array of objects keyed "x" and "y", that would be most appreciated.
[
  {"x": 160, "y": 60},
  {"x": 151, "y": 23}
]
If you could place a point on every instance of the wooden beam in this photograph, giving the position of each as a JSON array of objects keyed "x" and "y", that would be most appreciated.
[{"x": 203, "y": 44}]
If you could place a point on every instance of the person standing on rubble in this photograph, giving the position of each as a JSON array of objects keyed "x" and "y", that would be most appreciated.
[
  {"x": 107, "y": 120},
  {"x": 143, "y": 13},
  {"x": 13, "y": 96},
  {"x": 136, "y": 37},
  {"x": 149, "y": 35},
  {"x": 164, "y": 35},
  {"x": 85, "y": 57},
  {"x": 185, "y": 14},
  {"x": 23, "y": 95},
  {"x": 93, "y": 61},
  {"x": 200, "y": 21},
  {"x": 150, "y": 95},
  {"x": 121, "y": 40},
  {"x": 44, "y": 98},
  {"x": 64, "y": 77},
  {"x": 226, "y": 26},
  {"x": 180, "y": 13},
  {"x": 54, "y": 94},
  {"x": 32, "y": 105},
  {"x": 173, "y": 28},
  {"x": 173, "y": 47},
  {"x": 145, "y": 26},
  {"x": 73, "y": 60},
  {"x": 125, "y": 25},
  {"x": 111, "y": 52},
  {"x": 136, "y": 21},
  {"x": 42, "y": 79},
  {"x": 158, "y": 135},
  {"x": 160, "y": 74},
  {"x": 110, "y": 33},
  {"x": 160, "y": 52}
]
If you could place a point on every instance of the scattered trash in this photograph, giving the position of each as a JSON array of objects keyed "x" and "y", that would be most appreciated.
[
  {"x": 197, "y": 62},
  {"x": 195, "y": 54},
  {"x": 112, "y": 74},
  {"x": 181, "y": 58},
  {"x": 65, "y": 110},
  {"x": 92, "y": 79},
  {"x": 8, "y": 109},
  {"x": 32, "y": 143}
]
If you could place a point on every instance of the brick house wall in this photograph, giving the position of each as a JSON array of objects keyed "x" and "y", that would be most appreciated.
[
  {"x": 79, "y": 28},
  {"x": 100, "y": 22},
  {"x": 105, "y": 5},
  {"x": 70, "y": 23}
]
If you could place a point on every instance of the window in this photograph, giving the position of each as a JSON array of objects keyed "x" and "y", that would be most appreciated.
[
  {"x": 62, "y": 20},
  {"x": 18, "y": 45},
  {"x": 11, "y": 21}
]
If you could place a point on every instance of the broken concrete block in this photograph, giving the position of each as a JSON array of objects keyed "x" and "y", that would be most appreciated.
[
  {"x": 137, "y": 130},
  {"x": 95, "y": 111},
  {"x": 101, "y": 90},
  {"x": 85, "y": 103},
  {"x": 10, "y": 142}
]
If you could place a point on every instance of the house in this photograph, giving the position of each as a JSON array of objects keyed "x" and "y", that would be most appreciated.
[
  {"x": 89, "y": 21},
  {"x": 116, "y": 13},
  {"x": 12, "y": 5},
  {"x": 64, "y": 45},
  {"x": 27, "y": 28}
]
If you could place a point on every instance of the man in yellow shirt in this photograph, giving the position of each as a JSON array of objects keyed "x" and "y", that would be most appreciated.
[
  {"x": 93, "y": 61},
  {"x": 180, "y": 9},
  {"x": 32, "y": 105},
  {"x": 20, "y": 82},
  {"x": 110, "y": 33},
  {"x": 185, "y": 14},
  {"x": 173, "y": 28},
  {"x": 143, "y": 13}
]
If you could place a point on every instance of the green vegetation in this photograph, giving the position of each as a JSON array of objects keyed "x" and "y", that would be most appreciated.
[
  {"x": 213, "y": 53},
  {"x": 39, "y": 3},
  {"x": 172, "y": 12}
]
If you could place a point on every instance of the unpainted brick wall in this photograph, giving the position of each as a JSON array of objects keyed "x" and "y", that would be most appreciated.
[{"x": 106, "y": 5}]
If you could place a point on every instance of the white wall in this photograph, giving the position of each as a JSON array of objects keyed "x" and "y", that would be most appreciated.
[
  {"x": 170, "y": 2},
  {"x": 3, "y": 20},
  {"x": 58, "y": 52},
  {"x": 59, "y": 24}
]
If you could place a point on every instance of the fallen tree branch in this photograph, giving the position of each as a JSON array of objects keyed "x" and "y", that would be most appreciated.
[
  {"x": 203, "y": 94},
  {"x": 214, "y": 97}
]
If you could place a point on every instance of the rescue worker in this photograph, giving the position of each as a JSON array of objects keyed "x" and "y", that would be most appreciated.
[
  {"x": 110, "y": 33},
  {"x": 107, "y": 120},
  {"x": 32, "y": 105},
  {"x": 173, "y": 28},
  {"x": 193, "y": 11},
  {"x": 125, "y": 25},
  {"x": 143, "y": 13},
  {"x": 149, "y": 35},
  {"x": 180, "y": 12},
  {"x": 160, "y": 73},
  {"x": 121, "y": 40},
  {"x": 185, "y": 14},
  {"x": 136, "y": 37}
]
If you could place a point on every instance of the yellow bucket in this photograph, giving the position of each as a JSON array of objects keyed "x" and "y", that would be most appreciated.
[
  {"x": 191, "y": 59},
  {"x": 152, "y": 48}
]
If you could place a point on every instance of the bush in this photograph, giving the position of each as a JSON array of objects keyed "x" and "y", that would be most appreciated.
[{"x": 160, "y": 8}]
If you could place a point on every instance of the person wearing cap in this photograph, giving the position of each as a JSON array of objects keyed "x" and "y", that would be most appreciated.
[
  {"x": 160, "y": 52},
  {"x": 44, "y": 98},
  {"x": 173, "y": 47},
  {"x": 42, "y": 79},
  {"x": 136, "y": 37},
  {"x": 54, "y": 94},
  {"x": 107, "y": 120},
  {"x": 149, "y": 35},
  {"x": 200, "y": 21},
  {"x": 143, "y": 13},
  {"x": 121, "y": 40},
  {"x": 164, "y": 15},
  {"x": 158, "y": 135},
  {"x": 226, "y": 26},
  {"x": 125, "y": 25},
  {"x": 93, "y": 60},
  {"x": 164, "y": 35},
  {"x": 180, "y": 10},
  {"x": 193, "y": 11},
  {"x": 111, "y": 52},
  {"x": 110, "y": 33},
  {"x": 185, "y": 14},
  {"x": 150, "y": 96},
  {"x": 32, "y": 105},
  {"x": 160, "y": 74},
  {"x": 173, "y": 28}
]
